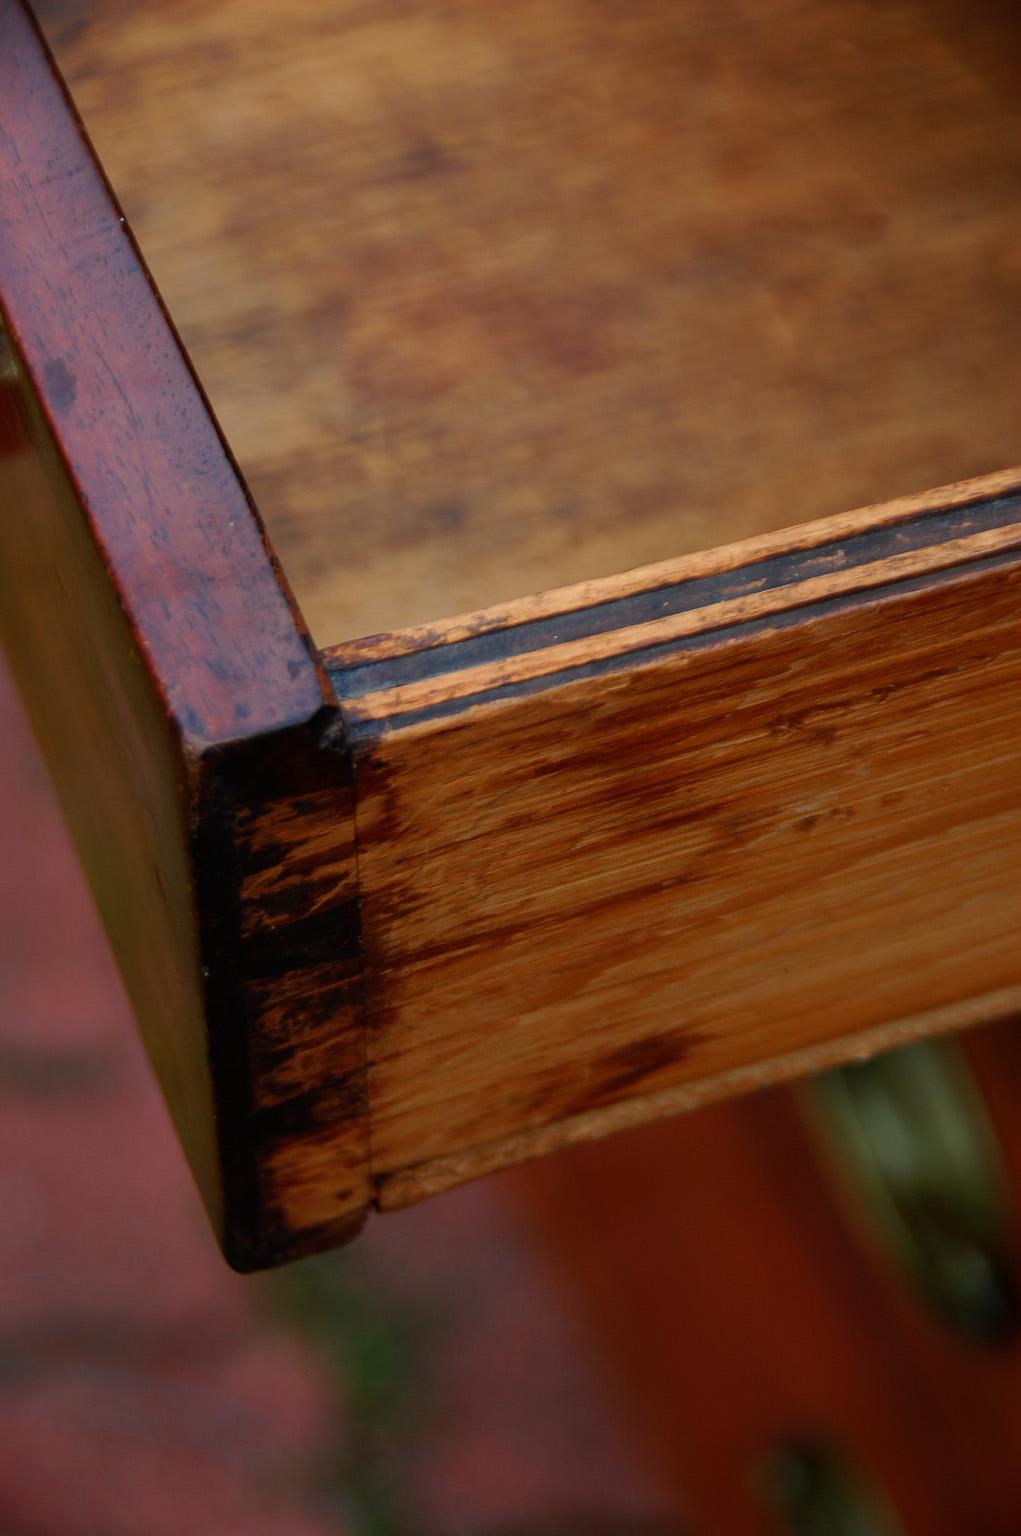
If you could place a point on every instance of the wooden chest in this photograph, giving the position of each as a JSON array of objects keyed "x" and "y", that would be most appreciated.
[{"x": 492, "y": 300}]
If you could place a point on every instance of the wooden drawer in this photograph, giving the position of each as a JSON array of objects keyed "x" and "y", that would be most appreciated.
[{"x": 493, "y": 299}]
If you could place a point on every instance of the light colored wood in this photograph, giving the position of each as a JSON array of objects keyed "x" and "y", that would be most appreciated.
[
  {"x": 494, "y": 297},
  {"x": 408, "y": 1186},
  {"x": 672, "y": 871},
  {"x": 472, "y": 681},
  {"x": 718, "y": 561}
]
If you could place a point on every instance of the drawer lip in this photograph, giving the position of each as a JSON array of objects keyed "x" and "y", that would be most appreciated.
[
  {"x": 976, "y": 528},
  {"x": 801, "y": 552},
  {"x": 366, "y": 727}
]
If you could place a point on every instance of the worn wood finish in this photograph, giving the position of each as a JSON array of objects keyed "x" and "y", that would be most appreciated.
[
  {"x": 618, "y": 854},
  {"x": 581, "y": 859},
  {"x": 495, "y": 297},
  {"x": 182, "y": 709}
]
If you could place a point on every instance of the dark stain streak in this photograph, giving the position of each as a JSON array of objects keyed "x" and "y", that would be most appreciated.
[
  {"x": 630, "y": 1066},
  {"x": 443, "y": 517},
  {"x": 369, "y": 730},
  {"x": 625, "y": 1072},
  {"x": 285, "y": 938},
  {"x": 296, "y": 1243},
  {"x": 306, "y": 1006},
  {"x": 788, "y": 569},
  {"x": 343, "y": 1099},
  {"x": 283, "y": 959},
  {"x": 421, "y": 161}
]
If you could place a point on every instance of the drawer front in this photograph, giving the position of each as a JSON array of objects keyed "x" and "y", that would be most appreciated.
[{"x": 414, "y": 908}]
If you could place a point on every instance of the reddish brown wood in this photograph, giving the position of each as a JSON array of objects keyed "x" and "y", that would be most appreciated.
[
  {"x": 648, "y": 840},
  {"x": 180, "y": 703}
]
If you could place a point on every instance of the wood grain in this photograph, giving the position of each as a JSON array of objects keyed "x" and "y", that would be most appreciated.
[
  {"x": 652, "y": 849},
  {"x": 182, "y": 710},
  {"x": 491, "y": 297},
  {"x": 496, "y": 297}
]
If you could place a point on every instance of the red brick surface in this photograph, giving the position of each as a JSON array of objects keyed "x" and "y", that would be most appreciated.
[{"x": 438, "y": 1385}]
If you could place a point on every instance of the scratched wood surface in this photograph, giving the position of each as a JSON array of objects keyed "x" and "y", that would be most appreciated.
[
  {"x": 494, "y": 297},
  {"x": 491, "y": 298},
  {"x": 183, "y": 712},
  {"x": 759, "y": 812}
]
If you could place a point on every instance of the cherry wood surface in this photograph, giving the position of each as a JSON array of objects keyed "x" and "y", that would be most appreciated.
[
  {"x": 493, "y": 297},
  {"x": 183, "y": 712}
]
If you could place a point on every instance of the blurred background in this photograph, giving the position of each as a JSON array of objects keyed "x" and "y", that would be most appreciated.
[
  {"x": 694, "y": 1327},
  {"x": 432, "y": 1379}
]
